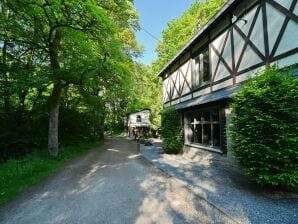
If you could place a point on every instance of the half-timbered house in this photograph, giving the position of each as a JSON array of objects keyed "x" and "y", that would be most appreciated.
[
  {"x": 138, "y": 122},
  {"x": 241, "y": 39}
]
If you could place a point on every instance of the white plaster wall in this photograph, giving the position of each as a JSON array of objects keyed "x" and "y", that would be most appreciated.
[
  {"x": 218, "y": 43},
  {"x": 185, "y": 98},
  {"x": 287, "y": 61},
  {"x": 174, "y": 76},
  {"x": 289, "y": 39},
  {"x": 238, "y": 45},
  {"x": 214, "y": 60},
  {"x": 274, "y": 24},
  {"x": 145, "y": 118},
  {"x": 201, "y": 92},
  {"x": 222, "y": 85},
  {"x": 285, "y": 3},
  {"x": 165, "y": 94},
  {"x": 296, "y": 9},
  {"x": 248, "y": 17},
  {"x": 170, "y": 86},
  {"x": 250, "y": 57},
  {"x": 174, "y": 102},
  {"x": 227, "y": 54},
  {"x": 247, "y": 75},
  {"x": 186, "y": 70},
  {"x": 257, "y": 35}
]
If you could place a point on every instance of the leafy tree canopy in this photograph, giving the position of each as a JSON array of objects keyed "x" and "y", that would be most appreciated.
[
  {"x": 63, "y": 50},
  {"x": 181, "y": 30}
]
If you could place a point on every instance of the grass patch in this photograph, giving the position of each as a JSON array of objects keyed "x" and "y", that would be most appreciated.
[
  {"x": 18, "y": 175},
  {"x": 119, "y": 133}
]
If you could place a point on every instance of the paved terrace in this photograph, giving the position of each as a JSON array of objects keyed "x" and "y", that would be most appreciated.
[{"x": 224, "y": 185}]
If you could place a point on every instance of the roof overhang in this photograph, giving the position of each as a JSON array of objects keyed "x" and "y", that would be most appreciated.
[
  {"x": 138, "y": 111},
  {"x": 216, "y": 96}
]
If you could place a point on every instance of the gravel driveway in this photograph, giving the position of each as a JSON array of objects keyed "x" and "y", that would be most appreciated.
[{"x": 111, "y": 184}]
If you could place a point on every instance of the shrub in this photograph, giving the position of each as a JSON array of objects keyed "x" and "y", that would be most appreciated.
[
  {"x": 264, "y": 128},
  {"x": 171, "y": 131}
]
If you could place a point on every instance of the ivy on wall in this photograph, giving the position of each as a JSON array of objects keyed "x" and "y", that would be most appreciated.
[{"x": 171, "y": 131}]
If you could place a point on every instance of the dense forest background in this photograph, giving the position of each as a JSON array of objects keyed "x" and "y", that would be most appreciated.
[{"x": 68, "y": 69}]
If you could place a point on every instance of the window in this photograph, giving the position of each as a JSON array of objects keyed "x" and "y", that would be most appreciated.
[
  {"x": 139, "y": 118},
  {"x": 204, "y": 128},
  {"x": 202, "y": 68}
]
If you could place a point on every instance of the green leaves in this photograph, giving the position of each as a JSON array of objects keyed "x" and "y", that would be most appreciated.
[
  {"x": 181, "y": 30},
  {"x": 83, "y": 46},
  {"x": 171, "y": 131},
  {"x": 265, "y": 128}
]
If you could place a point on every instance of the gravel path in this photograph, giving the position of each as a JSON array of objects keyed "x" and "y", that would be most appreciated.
[
  {"x": 226, "y": 188},
  {"x": 111, "y": 184}
]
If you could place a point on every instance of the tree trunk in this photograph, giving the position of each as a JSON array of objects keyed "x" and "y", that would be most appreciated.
[
  {"x": 101, "y": 125},
  {"x": 6, "y": 92},
  {"x": 114, "y": 115},
  {"x": 53, "y": 143},
  {"x": 21, "y": 109}
]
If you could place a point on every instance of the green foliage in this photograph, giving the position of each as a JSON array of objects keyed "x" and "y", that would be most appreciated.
[
  {"x": 17, "y": 175},
  {"x": 82, "y": 47},
  {"x": 265, "y": 128},
  {"x": 171, "y": 131},
  {"x": 181, "y": 30},
  {"x": 147, "y": 92},
  {"x": 141, "y": 90}
]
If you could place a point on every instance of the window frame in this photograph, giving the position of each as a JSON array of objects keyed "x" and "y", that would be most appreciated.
[
  {"x": 199, "y": 67},
  {"x": 190, "y": 119},
  {"x": 138, "y": 118}
]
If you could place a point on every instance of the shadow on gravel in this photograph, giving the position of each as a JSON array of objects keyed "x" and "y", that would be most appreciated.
[
  {"x": 114, "y": 185},
  {"x": 226, "y": 187},
  {"x": 167, "y": 200}
]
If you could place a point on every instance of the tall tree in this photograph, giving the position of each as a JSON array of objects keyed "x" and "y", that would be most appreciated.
[
  {"x": 146, "y": 92},
  {"x": 79, "y": 42},
  {"x": 181, "y": 30}
]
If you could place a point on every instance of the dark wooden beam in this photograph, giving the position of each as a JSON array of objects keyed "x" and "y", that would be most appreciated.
[
  {"x": 221, "y": 53},
  {"x": 282, "y": 30},
  {"x": 247, "y": 38},
  {"x": 221, "y": 58},
  {"x": 234, "y": 72},
  {"x": 265, "y": 30},
  {"x": 288, "y": 13}
]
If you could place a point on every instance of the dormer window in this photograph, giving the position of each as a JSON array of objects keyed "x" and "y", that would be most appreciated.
[{"x": 202, "y": 68}]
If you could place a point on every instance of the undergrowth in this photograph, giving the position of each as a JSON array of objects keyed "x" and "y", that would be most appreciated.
[{"x": 18, "y": 175}]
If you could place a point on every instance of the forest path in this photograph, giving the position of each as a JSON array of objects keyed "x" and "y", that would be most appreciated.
[{"x": 110, "y": 184}]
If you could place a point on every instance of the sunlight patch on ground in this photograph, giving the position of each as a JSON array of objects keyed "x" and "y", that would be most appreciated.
[
  {"x": 133, "y": 156},
  {"x": 85, "y": 181},
  {"x": 165, "y": 197},
  {"x": 113, "y": 150}
]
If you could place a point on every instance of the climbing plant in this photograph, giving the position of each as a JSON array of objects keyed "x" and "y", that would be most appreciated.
[{"x": 171, "y": 130}]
